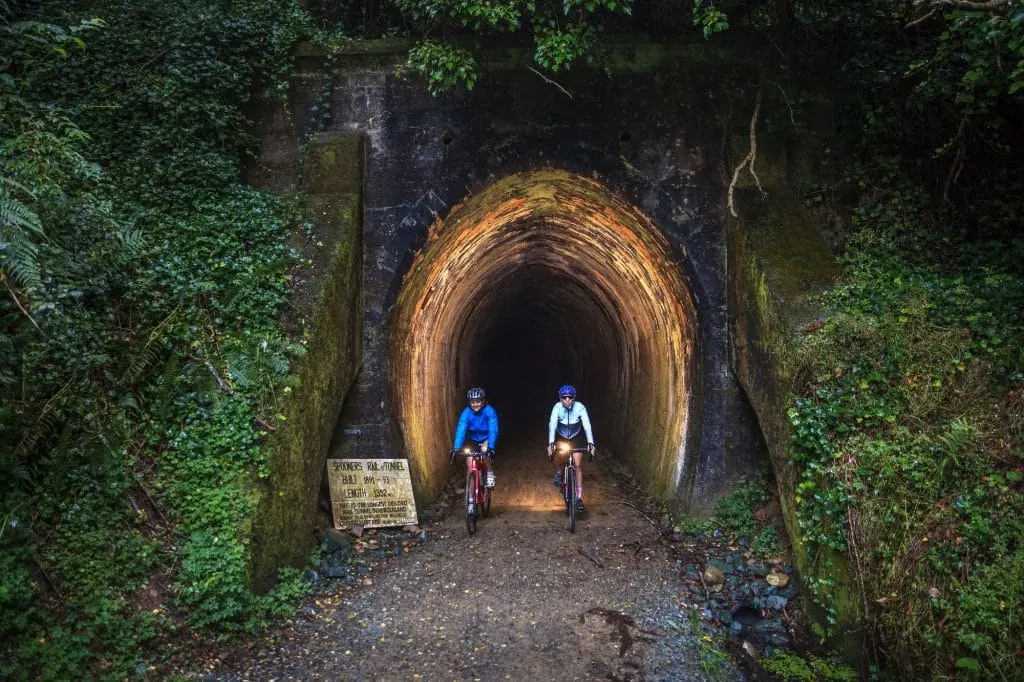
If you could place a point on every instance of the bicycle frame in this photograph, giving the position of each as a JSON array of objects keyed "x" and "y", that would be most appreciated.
[
  {"x": 569, "y": 481},
  {"x": 478, "y": 495}
]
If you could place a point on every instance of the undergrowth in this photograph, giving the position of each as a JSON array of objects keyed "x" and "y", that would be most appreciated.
[
  {"x": 908, "y": 429},
  {"x": 735, "y": 516},
  {"x": 140, "y": 346}
]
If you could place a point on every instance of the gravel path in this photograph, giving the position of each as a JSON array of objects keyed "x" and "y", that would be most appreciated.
[{"x": 522, "y": 599}]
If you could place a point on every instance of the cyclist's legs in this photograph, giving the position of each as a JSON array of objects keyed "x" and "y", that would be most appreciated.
[
  {"x": 559, "y": 459},
  {"x": 577, "y": 458}
]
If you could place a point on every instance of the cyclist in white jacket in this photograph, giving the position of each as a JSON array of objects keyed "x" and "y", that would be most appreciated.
[{"x": 568, "y": 419}]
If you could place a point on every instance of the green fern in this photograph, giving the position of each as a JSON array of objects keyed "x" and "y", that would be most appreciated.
[
  {"x": 46, "y": 423},
  {"x": 18, "y": 253},
  {"x": 152, "y": 350}
]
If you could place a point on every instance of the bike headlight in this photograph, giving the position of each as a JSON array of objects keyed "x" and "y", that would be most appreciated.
[
  {"x": 467, "y": 451},
  {"x": 563, "y": 448}
]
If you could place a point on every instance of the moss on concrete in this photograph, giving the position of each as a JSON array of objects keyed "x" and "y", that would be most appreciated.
[
  {"x": 329, "y": 315},
  {"x": 778, "y": 264}
]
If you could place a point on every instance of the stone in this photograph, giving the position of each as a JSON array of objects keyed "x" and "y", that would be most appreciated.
[
  {"x": 768, "y": 627},
  {"x": 777, "y": 579},
  {"x": 713, "y": 575},
  {"x": 356, "y": 531},
  {"x": 335, "y": 539}
]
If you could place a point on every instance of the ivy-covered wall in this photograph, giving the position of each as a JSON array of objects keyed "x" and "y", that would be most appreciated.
[
  {"x": 778, "y": 263},
  {"x": 328, "y": 309}
]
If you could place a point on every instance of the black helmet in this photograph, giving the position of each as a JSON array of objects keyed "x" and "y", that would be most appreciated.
[{"x": 476, "y": 393}]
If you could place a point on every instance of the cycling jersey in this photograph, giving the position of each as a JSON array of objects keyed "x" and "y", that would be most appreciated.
[
  {"x": 479, "y": 426},
  {"x": 567, "y": 422}
]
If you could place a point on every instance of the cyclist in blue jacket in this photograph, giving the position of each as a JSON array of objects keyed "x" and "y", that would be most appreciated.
[
  {"x": 569, "y": 421},
  {"x": 478, "y": 422}
]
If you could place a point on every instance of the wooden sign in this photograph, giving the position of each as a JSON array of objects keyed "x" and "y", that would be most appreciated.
[{"x": 371, "y": 492}]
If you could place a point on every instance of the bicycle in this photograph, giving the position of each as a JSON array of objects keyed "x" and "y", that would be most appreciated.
[
  {"x": 478, "y": 495},
  {"x": 569, "y": 481}
]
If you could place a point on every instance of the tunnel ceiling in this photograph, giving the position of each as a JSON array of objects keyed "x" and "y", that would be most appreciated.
[{"x": 542, "y": 279}]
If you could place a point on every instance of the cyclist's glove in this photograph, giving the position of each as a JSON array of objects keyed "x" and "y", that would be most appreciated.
[
  {"x": 451, "y": 455},
  {"x": 551, "y": 450},
  {"x": 490, "y": 456},
  {"x": 591, "y": 449}
]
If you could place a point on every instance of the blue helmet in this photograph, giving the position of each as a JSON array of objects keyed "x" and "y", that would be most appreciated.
[
  {"x": 567, "y": 390},
  {"x": 476, "y": 393}
]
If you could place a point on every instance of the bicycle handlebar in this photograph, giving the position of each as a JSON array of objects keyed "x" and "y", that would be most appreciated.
[
  {"x": 557, "y": 451},
  {"x": 470, "y": 451}
]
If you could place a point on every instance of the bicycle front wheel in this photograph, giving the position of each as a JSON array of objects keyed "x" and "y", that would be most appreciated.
[
  {"x": 570, "y": 497},
  {"x": 471, "y": 483}
]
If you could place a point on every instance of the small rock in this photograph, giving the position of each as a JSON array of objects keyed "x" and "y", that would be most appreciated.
[
  {"x": 713, "y": 575},
  {"x": 335, "y": 539},
  {"x": 769, "y": 627},
  {"x": 356, "y": 531},
  {"x": 777, "y": 579},
  {"x": 759, "y": 569},
  {"x": 411, "y": 529}
]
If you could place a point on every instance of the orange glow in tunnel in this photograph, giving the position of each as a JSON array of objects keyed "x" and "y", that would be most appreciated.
[{"x": 545, "y": 278}]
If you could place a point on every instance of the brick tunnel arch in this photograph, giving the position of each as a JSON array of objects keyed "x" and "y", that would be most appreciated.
[{"x": 545, "y": 278}]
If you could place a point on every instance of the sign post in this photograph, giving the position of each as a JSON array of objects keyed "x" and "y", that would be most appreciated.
[{"x": 371, "y": 493}]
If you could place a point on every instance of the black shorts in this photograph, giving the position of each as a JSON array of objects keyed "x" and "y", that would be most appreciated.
[{"x": 580, "y": 441}]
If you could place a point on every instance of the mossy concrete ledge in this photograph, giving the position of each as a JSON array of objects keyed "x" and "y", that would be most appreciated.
[
  {"x": 328, "y": 308},
  {"x": 778, "y": 264}
]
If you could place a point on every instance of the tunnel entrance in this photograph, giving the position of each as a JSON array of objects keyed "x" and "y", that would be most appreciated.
[{"x": 548, "y": 278}]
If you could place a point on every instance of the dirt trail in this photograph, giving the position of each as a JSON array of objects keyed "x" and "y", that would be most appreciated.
[{"x": 522, "y": 599}]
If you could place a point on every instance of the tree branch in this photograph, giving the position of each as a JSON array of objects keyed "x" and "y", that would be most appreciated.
[
  {"x": 964, "y": 4},
  {"x": 792, "y": 118},
  {"x": 919, "y": 20},
  {"x": 751, "y": 156},
  {"x": 14, "y": 297},
  {"x": 221, "y": 384},
  {"x": 545, "y": 78}
]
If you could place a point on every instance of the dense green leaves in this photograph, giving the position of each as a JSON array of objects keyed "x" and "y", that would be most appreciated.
[
  {"x": 908, "y": 436},
  {"x": 444, "y": 66},
  {"x": 565, "y": 31},
  {"x": 143, "y": 289}
]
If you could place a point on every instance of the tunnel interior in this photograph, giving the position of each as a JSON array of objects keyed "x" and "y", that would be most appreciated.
[
  {"x": 541, "y": 329},
  {"x": 543, "y": 279}
]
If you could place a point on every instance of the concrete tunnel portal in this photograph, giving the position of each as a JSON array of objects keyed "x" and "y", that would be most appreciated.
[{"x": 541, "y": 279}]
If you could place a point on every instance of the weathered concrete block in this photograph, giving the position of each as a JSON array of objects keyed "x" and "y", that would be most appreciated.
[
  {"x": 328, "y": 319},
  {"x": 778, "y": 264},
  {"x": 332, "y": 164}
]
